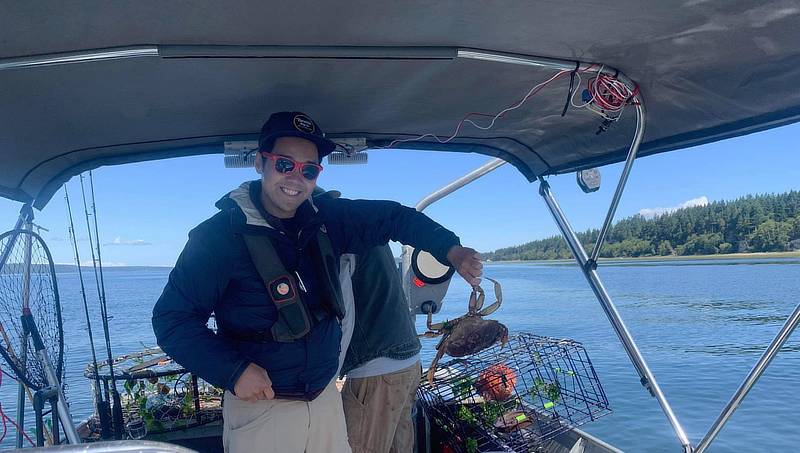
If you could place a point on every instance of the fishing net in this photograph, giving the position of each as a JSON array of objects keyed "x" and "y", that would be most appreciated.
[
  {"x": 159, "y": 395},
  {"x": 27, "y": 277},
  {"x": 514, "y": 398}
]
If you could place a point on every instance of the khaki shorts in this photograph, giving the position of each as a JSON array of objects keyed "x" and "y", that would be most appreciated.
[
  {"x": 378, "y": 411},
  {"x": 284, "y": 426}
]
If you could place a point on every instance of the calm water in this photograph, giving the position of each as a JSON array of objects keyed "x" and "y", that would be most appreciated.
[{"x": 700, "y": 325}]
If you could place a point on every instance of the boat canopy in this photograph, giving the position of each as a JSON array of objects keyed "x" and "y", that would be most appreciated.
[{"x": 89, "y": 84}]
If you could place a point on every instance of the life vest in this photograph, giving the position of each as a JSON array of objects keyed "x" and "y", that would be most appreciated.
[{"x": 294, "y": 317}]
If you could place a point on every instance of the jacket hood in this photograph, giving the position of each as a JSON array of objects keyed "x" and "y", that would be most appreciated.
[{"x": 239, "y": 199}]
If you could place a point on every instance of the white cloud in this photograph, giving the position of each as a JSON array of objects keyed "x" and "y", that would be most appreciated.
[
  {"x": 649, "y": 213},
  {"x": 119, "y": 241}
]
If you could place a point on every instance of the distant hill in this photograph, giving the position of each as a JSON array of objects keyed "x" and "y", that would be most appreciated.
[
  {"x": 72, "y": 268},
  {"x": 755, "y": 223}
]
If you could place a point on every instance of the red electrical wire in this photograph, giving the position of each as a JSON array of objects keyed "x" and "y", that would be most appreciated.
[
  {"x": 512, "y": 106},
  {"x": 6, "y": 419},
  {"x": 609, "y": 93}
]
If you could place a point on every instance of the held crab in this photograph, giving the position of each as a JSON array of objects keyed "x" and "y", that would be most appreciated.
[{"x": 468, "y": 334}]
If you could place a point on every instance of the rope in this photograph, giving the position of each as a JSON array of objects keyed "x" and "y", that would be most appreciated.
[
  {"x": 6, "y": 419},
  {"x": 27, "y": 390}
]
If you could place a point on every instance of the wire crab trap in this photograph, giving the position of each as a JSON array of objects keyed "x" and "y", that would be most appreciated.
[
  {"x": 514, "y": 398},
  {"x": 159, "y": 395}
]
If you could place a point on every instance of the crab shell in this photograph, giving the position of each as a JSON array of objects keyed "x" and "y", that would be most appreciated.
[{"x": 473, "y": 334}]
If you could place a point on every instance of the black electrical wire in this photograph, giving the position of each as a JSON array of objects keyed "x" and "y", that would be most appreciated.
[{"x": 571, "y": 90}]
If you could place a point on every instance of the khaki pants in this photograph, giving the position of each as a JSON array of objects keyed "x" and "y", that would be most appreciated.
[
  {"x": 284, "y": 426},
  {"x": 378, "y": 411}
]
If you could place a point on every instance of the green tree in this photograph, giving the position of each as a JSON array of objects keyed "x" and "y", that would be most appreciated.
[
  {"x": 702, "y": 244},
  {"x": 753, "y": 222},
  {"x": 665, "y": 248},
  {"x": 771, "y": 236},
  {"x": 794, "y": 232}
]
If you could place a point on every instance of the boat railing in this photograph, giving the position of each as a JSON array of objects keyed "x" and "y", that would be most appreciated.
[{"x": 124, "y": 446}]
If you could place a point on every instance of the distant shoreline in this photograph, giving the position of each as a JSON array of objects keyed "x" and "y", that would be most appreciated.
[
  {"x": 74, "y": 268},
  {"x": 726, "y": 256}
]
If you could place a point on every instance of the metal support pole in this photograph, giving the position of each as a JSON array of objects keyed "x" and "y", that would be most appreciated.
[
  {"x": 488, "y": 167},
  {"x": 22, "y": 389},
  {"x": 25, "y": 216},
  {"x": 38, "y": 404},
  {"x": 196, "y": 397},
  {"x": 623, "y": 179},
  {"x": 751, "y": 379},
  {"x": 26, "y": 288},
  {"x": 437, "y": 195},
  {"x": 39, "y": 399},
  {"x": 647, "y": 378},
  {"x": 52, "y": 378},
  {"x": 54, "y": 419}
]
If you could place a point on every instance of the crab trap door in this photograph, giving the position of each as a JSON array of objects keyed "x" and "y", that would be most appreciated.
[{"x": 425, "y": 281}]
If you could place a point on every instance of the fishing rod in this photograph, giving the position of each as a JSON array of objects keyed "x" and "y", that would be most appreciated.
[
  {"x": 103, "y": 405},
  {"x": 101, "y": 291}
]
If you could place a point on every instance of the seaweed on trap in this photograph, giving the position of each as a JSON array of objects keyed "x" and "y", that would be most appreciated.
[{"x": 514, "y": 398}]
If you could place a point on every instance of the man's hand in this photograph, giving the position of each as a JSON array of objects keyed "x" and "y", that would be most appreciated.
[
  {"x": 254, "y": 384},
  {"x": 467, "y": 263}
]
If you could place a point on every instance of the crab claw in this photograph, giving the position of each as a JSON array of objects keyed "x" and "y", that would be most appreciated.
[{"x": 476, "y": 299}]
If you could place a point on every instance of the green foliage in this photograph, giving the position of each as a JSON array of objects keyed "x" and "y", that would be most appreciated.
[
  {"x": 471, "y": 445},
  {"x": 760, "y": 223},
  {"x": 550, "y": 391},
  {"x": 462, "y": 388},
  {"x": 665, "y": 248},
  {"x": 492, "y": 410},
  {"x": 771, "y": 236},
  {"x": 701, "y": 244},
  {"x": 466, "y": 416}
]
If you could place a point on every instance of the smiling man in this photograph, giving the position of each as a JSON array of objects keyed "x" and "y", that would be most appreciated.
[{"x": 267, "y": 266}]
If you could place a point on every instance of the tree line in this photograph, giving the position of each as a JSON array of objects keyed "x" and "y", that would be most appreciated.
[{"x": 754, "y": 223}]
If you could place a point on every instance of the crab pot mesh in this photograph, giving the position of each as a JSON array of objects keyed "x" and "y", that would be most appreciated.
[
  {"x": 157, "y": 395},
  {"x": 515, "y": 398}
]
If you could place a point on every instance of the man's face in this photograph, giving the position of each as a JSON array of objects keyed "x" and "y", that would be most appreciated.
[{"x": 282, "y": 193}]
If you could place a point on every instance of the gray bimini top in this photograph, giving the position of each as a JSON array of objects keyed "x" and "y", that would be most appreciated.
[{"x": 88, "y": 84}]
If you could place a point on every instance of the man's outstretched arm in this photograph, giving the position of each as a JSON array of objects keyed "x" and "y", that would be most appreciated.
[{"x": 357, "y": 225}]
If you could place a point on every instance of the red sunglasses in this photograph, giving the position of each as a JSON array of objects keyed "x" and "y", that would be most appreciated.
[{"x": 286, "y": 165}]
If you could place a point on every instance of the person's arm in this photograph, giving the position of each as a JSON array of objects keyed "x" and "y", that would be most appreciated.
[
  {"x": 357, "y": 225},
  {"x": 195, "y": 285}
]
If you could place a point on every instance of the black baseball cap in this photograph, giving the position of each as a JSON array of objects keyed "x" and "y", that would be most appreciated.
[{"x": 293, "y": 124}]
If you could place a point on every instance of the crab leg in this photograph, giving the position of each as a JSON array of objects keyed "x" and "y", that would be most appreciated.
[
  {"x": 438, "y": 326},
  {"x": 476, "y": 299},
  {"x": 432, "y": 368},
  {"x": 498, "y": 294}
]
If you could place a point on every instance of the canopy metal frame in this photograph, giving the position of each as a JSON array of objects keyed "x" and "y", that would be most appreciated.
[
  {"x": 586, "y": 261},
  {"x": 588, "y": 264}
]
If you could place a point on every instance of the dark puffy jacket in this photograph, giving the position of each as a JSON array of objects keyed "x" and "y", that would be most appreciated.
[
  {"x": 383, "y": 326},
  {"x": 214, "y": 273}
]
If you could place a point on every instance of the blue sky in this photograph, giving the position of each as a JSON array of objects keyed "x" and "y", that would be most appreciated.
[{"x": 146, "y": 209}]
